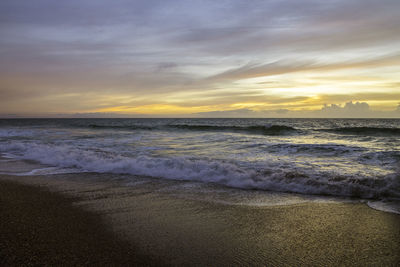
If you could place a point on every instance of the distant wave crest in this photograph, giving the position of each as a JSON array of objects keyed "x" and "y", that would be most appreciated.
[
  {"x": 263, "y": 130},
  {"x": 122, "y": 127},
  {"x": 365, "y": 130},
  {"x": 253, "y": 129}
]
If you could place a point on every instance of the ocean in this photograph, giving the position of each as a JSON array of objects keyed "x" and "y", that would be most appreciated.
[{"x": 242, "y": 161}]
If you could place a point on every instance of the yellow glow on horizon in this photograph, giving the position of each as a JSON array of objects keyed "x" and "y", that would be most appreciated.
[
  {"x": 297, "y": 91},
  {"x": 346, "y": 81},
  {"x": 156, "y": 109}
]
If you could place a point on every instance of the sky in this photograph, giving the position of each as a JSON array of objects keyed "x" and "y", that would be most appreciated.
[{"x": 227, "y": 58}]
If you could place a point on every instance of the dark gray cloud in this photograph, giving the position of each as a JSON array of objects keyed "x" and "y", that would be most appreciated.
[{"x": 358, "y": 109}]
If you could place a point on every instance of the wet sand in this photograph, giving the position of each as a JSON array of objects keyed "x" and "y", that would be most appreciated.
[
  {"x": 170, "y": 230},
  {"x": 42, "y": 228}
]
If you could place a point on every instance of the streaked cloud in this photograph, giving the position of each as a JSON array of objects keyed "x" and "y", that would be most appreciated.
[{"x": 184, "y": 57}]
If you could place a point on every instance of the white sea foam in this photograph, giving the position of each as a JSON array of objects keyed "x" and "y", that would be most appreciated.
[
  {"x": 49, "y": 171},
  {"x": 275, "y": 178},
  {"x": 16, "y": 132},
  {"x": 388, "y": 206}
]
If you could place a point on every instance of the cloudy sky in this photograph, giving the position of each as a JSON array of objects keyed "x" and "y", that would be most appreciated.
[{"x": 200, "y": 58}]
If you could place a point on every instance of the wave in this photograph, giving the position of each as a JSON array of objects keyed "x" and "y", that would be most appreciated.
[
  {"x": 314, "y": 149},
  {"x": 364, "y": 130},
  {"x": 379, "y": 158},
  {"x": 278, "y": 178},
  {"x": 123, "y": 127},
  {"x": 254, "y": 129},
  {"x": 263, "y": 130},
  {"x": 16, "y": 133}
]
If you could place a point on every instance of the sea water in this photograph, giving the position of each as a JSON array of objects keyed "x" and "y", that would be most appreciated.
[{"x": 357, "y": 158}]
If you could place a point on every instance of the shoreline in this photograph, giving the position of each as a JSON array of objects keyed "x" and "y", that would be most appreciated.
[{"x": 163, "y": 229}]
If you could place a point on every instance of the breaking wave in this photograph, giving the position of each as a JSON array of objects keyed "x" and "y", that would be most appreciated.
[
  {"x": 274, "y": 178},
  {"x": 16, "y": 133}
]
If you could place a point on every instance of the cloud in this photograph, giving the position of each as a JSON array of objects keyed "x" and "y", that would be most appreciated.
[
  {"x": 74, "y": 115},
  {"x": 348, "y": 110},
  {"x": 85, "y": 55},
  {"x": 284, "y": 66},
  {"x": 236, "y": 113},
  {"x": 354, "y": 110}
]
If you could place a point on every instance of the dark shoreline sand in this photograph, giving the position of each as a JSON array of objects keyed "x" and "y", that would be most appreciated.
[
  {"x": 175, "y": 231},
  {"x": 42, "y": 228}
]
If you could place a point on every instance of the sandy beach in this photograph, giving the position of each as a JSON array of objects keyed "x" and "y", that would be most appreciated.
[
  {"x": 42, "y": 228},
  {"x": 55, "y": 220}
]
